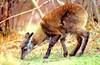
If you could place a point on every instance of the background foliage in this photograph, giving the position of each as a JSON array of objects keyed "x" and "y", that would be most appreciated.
[{"x": 12, "y": 32}]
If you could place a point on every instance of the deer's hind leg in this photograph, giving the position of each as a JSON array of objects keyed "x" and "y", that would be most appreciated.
[
  {"x": 81, "y": 33},
  {"x": 86, "y": 38},
  {"x": 79, "y": 40}
]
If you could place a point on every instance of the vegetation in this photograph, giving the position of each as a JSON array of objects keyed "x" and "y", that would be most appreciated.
[
  {"x": 10, "y": 52},
  {"x": 19, "y": 25}
]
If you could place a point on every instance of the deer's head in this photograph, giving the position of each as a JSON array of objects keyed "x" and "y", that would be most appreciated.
[{"x": 27, "y": 45}]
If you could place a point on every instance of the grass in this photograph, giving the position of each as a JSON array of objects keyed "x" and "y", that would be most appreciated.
[
  {"x": 83, "y": 60},
  {"x": 86, "y": 59},
  {"x": 10, "y": 52}
]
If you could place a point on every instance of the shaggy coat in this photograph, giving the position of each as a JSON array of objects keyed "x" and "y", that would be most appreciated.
[{"x": 67, "y": 18}]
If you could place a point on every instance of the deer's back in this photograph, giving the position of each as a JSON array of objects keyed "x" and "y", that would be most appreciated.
[{"x": 67, "y": 18}]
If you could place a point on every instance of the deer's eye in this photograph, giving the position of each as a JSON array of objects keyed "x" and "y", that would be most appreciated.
[{"x": 25, "y": 49}]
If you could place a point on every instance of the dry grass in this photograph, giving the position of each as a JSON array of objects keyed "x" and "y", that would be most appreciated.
[{"x": 10, "y": 51}]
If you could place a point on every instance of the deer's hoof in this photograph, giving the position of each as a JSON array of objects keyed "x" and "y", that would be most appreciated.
[
  {"x": 71, "y": 54},
  {"x": 65, "y": 54},
  {"x": 80, "y": 54},
  {"x": 45, "y": 57}
]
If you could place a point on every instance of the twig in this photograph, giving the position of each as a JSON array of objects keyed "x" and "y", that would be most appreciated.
[
  {"x": 17, "y": 15},
  {"x": 24, "y": 12},
  {"x": 39, "y": 10},
  {"x": 61, "y": 3}
]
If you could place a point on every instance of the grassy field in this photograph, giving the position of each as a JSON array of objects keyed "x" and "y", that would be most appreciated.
[{"x": 10, "y": 52}]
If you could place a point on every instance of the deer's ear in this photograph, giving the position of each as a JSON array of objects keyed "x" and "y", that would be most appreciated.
[
  {"x": 26, "y": 35},
  {"x": 31, "y": 34}
]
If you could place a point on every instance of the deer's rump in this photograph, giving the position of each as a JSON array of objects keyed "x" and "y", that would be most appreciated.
[{"x": 67, "y": 18}]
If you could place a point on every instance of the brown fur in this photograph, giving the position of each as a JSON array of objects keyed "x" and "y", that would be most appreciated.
[
  {"x": 39, "y": 36},
  {"x": 67, "y": 18}
]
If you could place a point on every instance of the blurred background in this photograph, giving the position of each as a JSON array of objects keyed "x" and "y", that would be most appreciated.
[{"x": 20, "y": 16}]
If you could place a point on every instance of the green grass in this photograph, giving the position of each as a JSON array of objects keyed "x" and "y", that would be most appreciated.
[
  {"x": 10, "y": 52},
  {"x": 86, "y": 59},
  {"x": 90, "y": 58}
]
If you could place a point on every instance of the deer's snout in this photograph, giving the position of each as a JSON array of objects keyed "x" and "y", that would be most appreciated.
[{"x": 21, "y": 58}]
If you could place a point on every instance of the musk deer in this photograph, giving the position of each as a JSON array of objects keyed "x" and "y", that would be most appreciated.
[{"x": 69, "y": 18}]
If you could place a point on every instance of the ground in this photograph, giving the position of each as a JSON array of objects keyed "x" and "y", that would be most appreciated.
[{"x": 10, "y": 52}]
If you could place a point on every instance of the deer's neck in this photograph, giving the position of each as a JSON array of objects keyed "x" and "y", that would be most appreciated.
[{"x": 39, "y": 36}]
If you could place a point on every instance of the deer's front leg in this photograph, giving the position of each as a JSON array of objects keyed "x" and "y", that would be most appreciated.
[
  {"x": 64, "y": 46},
  {"x": 53, "y": 40}
]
